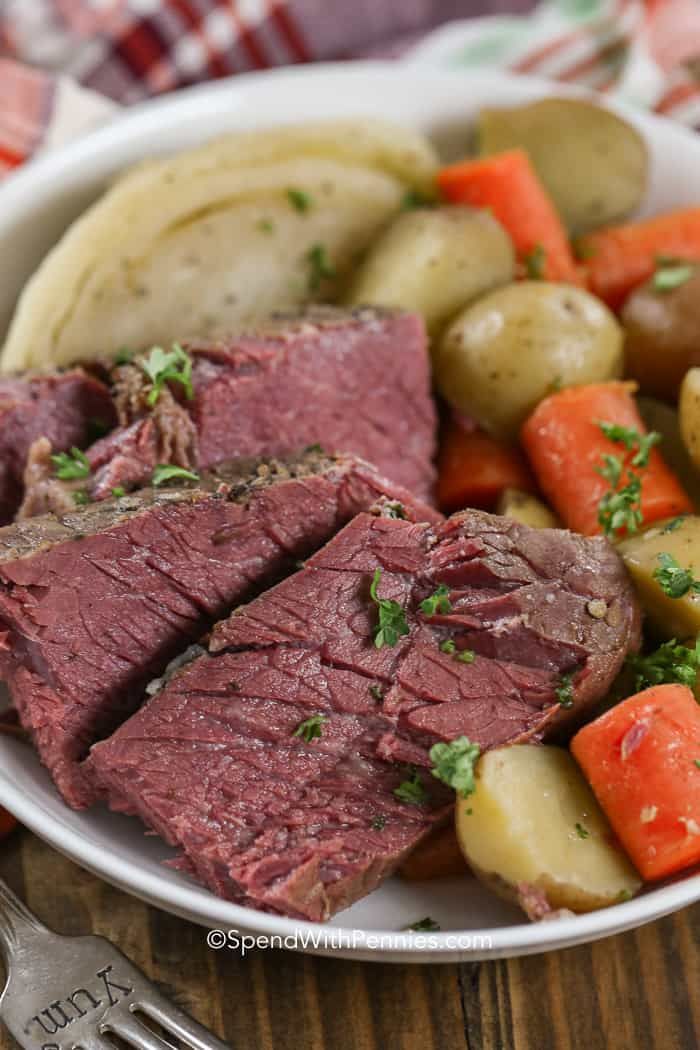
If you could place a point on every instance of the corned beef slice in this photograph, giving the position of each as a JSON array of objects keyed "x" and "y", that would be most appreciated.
[
  {"x": 63, "y": 407},
  {"x": 94, "y": 604},
  {"x": 356, "y": 382},
  {"x": 305, "y": 828}
]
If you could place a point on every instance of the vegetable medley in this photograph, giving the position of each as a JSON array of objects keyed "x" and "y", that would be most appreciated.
[{"x": 568, "y": 363}]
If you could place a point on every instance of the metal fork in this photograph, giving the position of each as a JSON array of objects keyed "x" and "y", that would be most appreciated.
[{"x": 65, "y": 993}]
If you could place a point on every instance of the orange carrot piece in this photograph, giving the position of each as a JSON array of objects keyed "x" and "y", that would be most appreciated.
[
  {"x": 436, "y": 857},
  {"x": 475, "y": 468},
  {"x": 622, "y": 257},
  {"x": 508, "y": 185},
  {"x": 565, "y": 446},
  {"x": 642, "y": 759}
]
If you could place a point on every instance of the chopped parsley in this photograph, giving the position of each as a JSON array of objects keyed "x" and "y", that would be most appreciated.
[
  {"x": 375, "y": 691},
  {"x": 632, "y": 440},
  {"x": 168, "y": 366},
  {"x": 673, "y": 580},
  {"x": 583, "y": 833},
  {"x": 415, "y": 199},
  {"x": 118, "y": 492},
  {"x": 426, "y": 925},
  {"x": 81, "y": 498},
  {"x": 392, "y": 623},
  {"x": 697, "y": 762},
  {"x": 674, "y": 523},
  {"x": 314, "y": 448},
  {"x": 624, "y": 895},
  {"x": 448, "y": 646},
  {"x": 466, "y": 656},
  {"x": 378, "y": 822},
  {"x": 583, "y": 250},
  {"x": 265, "y": 225},
  {"x": 320, "y": 267},
  {"x": 670, "y": 274},
  {"x": 123, "y": 356},
  {"x": 564, "y": 691},
  {"x": 310, "y": 728},
  {"x": 620, "y": 508},
  {"x": 438, "y": 602},
  {"x": 71, "y": 465},
  {"x": 669, "y": 663},
  {"x": 395, "y": 510},
  {"x": 412, "y": 791},
  {"x": 300, "y": 199},
  {"x": 454, "y": 763},
  {"x": 535, "y": 261},
  {"x": 166, "y": 472}
]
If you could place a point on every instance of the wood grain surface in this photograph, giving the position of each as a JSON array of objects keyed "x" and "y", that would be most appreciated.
[{"x": 632, "y": 992}]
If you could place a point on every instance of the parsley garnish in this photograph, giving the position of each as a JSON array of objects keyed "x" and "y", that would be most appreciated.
[
  {"x": 438, "y": 602},
  {"x": 583, "y": 250},
  {"x": 71, "y": 465},
  {"x": 378, "y": 822},
  {"x": 535, "y": 262},
  {"x": 670, "y": 274},
  {"x": 632, "y": 439},
  {"x": 80, "y": 498},
  {"x": 466, "y": 656},
  {"x": 392, "y": 618},
  {"x": 166, "y": 472},
  {"x": 314, "y": 448},
  {"x": 621, "y": 507},
  {"x": 320, "y": 267},
  {"x": 168, "y": 366},
  {"x": 674, "y": 523},
  {"x": 454, "y": 763},
  {"x": 673, "y": 580},
  {"x": 395, "y": 510},
  {"x": 697, "y": 762},
  {"x": 448, "y": 646},
  {"x": 299, "y": 199},
  {"x": 311, "y": 728},
  {"x": 426, "y": 925},
  {"x": 411, "y": 791},
  {"x": 123, "y": 356},
  {"x": 669, "y": 663},
  {"x": 375, "y": 691},
  {"x": 265, "y": 225},
  {"x": 564, "y": 691},
  {"x": 415, "y": 199},
  {"x": 118, "y": 492},
  {"x": 583, "y": 833}
]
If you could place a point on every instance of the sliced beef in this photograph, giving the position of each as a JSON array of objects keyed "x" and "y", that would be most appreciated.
[
  {"x": 67, "y": 408},
  {"x": 356, "y": 382},
  {"x": 94, "y": 604},
  {"x": 304, "y": 827}
]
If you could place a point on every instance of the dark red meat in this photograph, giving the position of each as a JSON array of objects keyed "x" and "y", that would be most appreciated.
[
  {"x": 67, "y": 408},
  {"x": 94, "y": 604},
  {"x": 304, "y": 828}
]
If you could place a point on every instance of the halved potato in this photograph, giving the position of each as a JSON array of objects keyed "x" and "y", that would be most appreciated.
[
  {"x": 593, "y": 163},
  {"x": 435, "y": 261},
  {"x": 533, "y": 821},
  {"x": 527, "y": 509},
  {"x": 207, "y": 240}
]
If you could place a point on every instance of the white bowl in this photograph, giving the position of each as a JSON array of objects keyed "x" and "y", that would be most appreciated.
[{"x": 35, "y": 206}]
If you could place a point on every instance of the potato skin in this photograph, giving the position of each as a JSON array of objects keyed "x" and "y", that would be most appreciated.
[
  {"x": 680, "y": 537},
  {"x": 662, "y": 336},
  {"x": 593, "y": 164},
  {"x": 507, "y": 351},
  {"x": 527, "y": 509},
  {"x": 435, "y": 261},
  {"x": 533, "y": 819},
  {"x": 689, "y": 414},
  {"x": 659, "y": 416}
]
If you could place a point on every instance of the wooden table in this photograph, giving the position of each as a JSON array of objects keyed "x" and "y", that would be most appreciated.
[{"x": 632, "y": 992}]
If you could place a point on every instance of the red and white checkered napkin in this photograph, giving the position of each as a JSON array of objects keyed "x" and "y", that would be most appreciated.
[{"x": 66, "y": 64}]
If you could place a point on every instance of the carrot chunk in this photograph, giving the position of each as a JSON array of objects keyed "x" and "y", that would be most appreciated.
[
  {"x": 566, "y": 447},
  {"x": 622, "y": 257},
  {"x": 508, "y": 185},
  {"x": 474, "y": 469},
  {"x": 642, "y": 759}
]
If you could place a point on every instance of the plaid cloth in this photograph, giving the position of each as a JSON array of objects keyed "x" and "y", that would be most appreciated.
[{"x": 65, "y": 64}]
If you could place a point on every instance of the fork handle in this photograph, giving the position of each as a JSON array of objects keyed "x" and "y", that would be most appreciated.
[{"x": 16, "y": 921}]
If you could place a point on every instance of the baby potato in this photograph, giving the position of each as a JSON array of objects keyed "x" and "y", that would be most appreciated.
[
  {"x": 689, "y": 414},
  {"x": 506, "y": 352},
  {"x": 673, "y": 617},
  {"x": 593, "y": 163},
  {"x": 533, "y": 819},
  {"x": 662, "y": 335},
  {"x": 527, "y": 509},
  {"x": 435, "y": 261},
  {"x": 659, "y": 416}
]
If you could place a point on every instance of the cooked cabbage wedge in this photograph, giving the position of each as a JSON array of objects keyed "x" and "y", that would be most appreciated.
[
  {"x": 201, "y": 242},
  {"x": 533, "y": 821}
]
